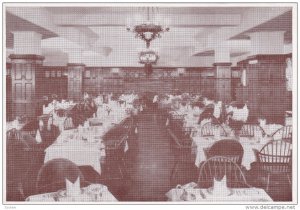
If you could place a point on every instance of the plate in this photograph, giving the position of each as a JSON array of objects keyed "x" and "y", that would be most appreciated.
[
  {"x": 188, "y": 197},
  {"x": 222, "y": 193},
  {"x": 62, "y": 193},
  {"x": 250, "y": 192}
]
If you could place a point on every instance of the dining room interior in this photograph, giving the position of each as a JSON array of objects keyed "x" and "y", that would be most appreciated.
[{"x": 149, "y": 103}]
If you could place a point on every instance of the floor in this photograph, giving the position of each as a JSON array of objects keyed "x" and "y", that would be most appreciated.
[
  {"x": 149, "y": 163},
  {"x": 151, "y": 172}
]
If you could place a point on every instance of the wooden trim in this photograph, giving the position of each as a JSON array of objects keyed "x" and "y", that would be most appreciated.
[
  {"x": 266, "y": 57},
  {"x": 26, "y": 57},
  {"x": 75, "y": 64},
  {"x": 222, "y": 64}
]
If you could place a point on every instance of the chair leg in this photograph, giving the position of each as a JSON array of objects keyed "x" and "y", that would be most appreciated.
[
  {"x": 174, "y": 171},
  {"x": 124, "y": 171},
  {"x": 121, "y": 172},
  {"x": 289, "y": 179},
  {"x": 21, "y": 190},
  {"x": 268, "y": 182}
]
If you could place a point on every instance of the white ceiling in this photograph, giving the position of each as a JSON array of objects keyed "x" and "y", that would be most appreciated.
[{"x": 99, "y": 33}]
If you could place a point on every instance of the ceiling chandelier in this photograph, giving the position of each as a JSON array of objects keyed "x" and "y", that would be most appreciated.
[
  {"x": 149, "y": 30},
  {"x": 148, "y": 56}
]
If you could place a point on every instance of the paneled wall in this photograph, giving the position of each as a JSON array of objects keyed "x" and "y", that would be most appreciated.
[
  {"x": 265, "y": 90},
  {"x": 8, "y": 93},
  {"x": 96, "y": 80},
  {"x": 54, "y": 80}
]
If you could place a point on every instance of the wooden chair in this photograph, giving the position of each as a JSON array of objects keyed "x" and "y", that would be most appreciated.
[
  {"x": 228, "y": 148},
  {"x": 68, "y": 124},
  {"x": 17, "y": 167},
  {"x": 183, "y": 150},
  {"x": 29, "y": 133},
  {"x": 31, "y": 125},
  {"x": 209, "y": 130},
  {"x": 216, "y": 168},
  {"x": 53, "y": 174},
  {"x": 275, "y": 158},
  {"x": 249, "y": 130},
  {"x": 115, "y": 157},
  {"x": 284, "y": 133},
  {"x": 12, "y": 135},
  {"x": 176, "y": 121},
  {"x": 95, "y": 122},
  {"x": 128, "y": 125}
]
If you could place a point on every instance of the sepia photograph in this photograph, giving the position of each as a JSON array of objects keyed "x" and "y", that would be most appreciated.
[{"x": 149, "y": 103}]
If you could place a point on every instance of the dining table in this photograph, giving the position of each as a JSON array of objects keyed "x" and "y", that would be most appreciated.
[
  {"x": 83, "y": 145},
  {"x": 270, "y": 129},
  {"x": 91, "y": 193},
  {"x": 15, "y": 124},
  {"x": 194, "y": 194},
  {"x": 63, "y": 105},
  {"x": 247, "y": 143}
]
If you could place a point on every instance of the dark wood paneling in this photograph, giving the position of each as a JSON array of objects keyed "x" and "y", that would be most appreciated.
[
  {"x": 97, "y": 80},
  {"x": 53, "y": 80},
  {"x": 266, "y": 89},
  {"x": 75, "y": 80}
]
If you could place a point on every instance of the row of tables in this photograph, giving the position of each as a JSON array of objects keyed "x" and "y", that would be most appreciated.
[
  {"x": 190, "y": 191},
  {"x": 84, "y": 146}
]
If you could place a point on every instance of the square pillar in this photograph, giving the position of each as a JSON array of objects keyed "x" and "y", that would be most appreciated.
[
  {"x": 266, "y": 90},
  {"x": 223, "y": 82},
  {"x": 27, "y": 43},
  {"x": 25, "y": 74},
  {"x": 75, "y": 80}
]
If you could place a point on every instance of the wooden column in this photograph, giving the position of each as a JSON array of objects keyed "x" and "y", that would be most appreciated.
[
  {"x": 223, "y": 82},
  {"x": 75, "y": 81},
  {"x": 266, "y": 86},
  {"x": 24, "y": 80}
]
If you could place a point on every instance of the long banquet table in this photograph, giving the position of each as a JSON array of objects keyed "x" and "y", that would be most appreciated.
[
  {"x": 91, "y": 193},
  {"x": 248, "y": 145},
  {"x": 83, "y": 146},
  {"x": 206, "y": 195}
]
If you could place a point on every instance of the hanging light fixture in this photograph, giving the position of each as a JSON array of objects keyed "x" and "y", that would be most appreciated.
[
  {"x": 148, "y": 30},
  {"x": 148, "y": 56}
]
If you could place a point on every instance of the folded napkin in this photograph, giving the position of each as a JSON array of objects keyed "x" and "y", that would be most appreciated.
[
  {"x": 262, "y": 122},
  {"x": 41, "y": 124},
  {"x": 220, "y": 187},
  {"x": 38, "y": 137},
  {"x": 86, "y": 124},
  {"x": 167, "y": 122},
  {"x": 73, "y": 189}
]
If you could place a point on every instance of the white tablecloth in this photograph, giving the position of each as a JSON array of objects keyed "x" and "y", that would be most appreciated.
[
  {"x": 271, "y": 128},
  {"x": 236, "y": 195},
  {"x": 248, "y": 146},
  {"x": 63, "y": 105},
  {"x": 82, "y": 146},
  {"x": 59, "y": 122},
  {"x": 87, "y": 195},
  {"x": 14, "y": 124},
  {"x": 70, "y": 145}
]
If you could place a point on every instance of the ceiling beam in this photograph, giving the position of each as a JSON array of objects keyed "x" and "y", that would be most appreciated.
[
  {"x": 251, "y": 18},
  {"x": 121, "y": 19},
  {"x": 41, "y": 17}
]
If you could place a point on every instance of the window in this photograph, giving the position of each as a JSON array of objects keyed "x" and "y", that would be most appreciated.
[
  {"x": 47, "y": 74},
  {"x": 87, "y": 73},
  {"x": 53, "y": 74}
]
